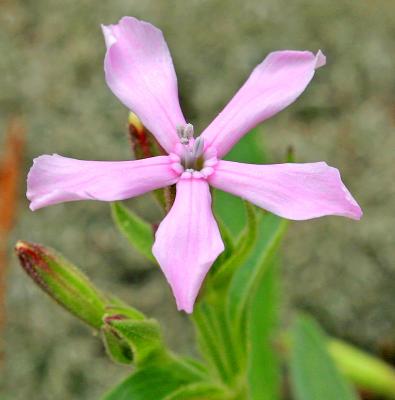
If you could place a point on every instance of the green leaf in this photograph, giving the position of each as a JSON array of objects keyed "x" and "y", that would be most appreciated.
[
  {"x": 313, "y": 372},
  {"x": 139, "y": 233},
  {"x": 143, "y": 336},
  {"x": 246, "y": 278},
  {"x": 156, "y": 381},
  {"x": 363, "y": 369},
  {"x": 195, "y": 391},
  {"x": 152, "y": 382},
  {"x": 263, "y": 370}
]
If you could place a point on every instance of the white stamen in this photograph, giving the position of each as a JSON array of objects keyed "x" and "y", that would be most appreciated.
[{"x": 198, "y": 148}]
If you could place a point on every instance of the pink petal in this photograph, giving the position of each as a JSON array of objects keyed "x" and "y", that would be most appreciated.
[
  {"x": 293, "y": 191},
  {"x": 139, "y": 71},
  {"x": 188, "y": 241},
  {"x": 273, "y": 85},
  {"x": 55, "y": 179}
]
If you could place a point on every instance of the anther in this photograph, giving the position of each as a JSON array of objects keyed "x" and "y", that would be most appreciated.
[{"x": 185, "y": 133}]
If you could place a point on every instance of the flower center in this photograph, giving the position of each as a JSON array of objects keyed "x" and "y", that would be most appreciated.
[
  {"x": 192, "y": 159},
  {"x": 192, "y": 149}
]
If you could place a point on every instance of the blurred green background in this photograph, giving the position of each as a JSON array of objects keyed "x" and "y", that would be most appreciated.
[{"x": 51, "y": 76}]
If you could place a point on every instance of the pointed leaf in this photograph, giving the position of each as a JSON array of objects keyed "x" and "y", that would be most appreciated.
[
  {"x": 363, "y": 369},
  {"x": 139, "y": 233},
  {"x": 313, "y": 372}
]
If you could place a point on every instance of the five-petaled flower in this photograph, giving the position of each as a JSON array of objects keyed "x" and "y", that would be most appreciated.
[{"x": 139, "y": 71}]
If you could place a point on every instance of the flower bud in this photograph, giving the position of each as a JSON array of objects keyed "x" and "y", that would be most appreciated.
[
  {"x": 61, "y": 280},
  {"x": 144, "y": 144}
]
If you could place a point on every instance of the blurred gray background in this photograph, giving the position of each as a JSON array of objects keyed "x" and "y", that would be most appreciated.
[{"x": 51, "y": 76}]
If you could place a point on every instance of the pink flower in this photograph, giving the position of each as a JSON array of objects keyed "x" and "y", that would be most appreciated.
[{"x": 140, "y": 72}]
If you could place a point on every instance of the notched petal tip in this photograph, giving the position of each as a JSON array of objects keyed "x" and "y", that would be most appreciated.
[
  {"x": 355, "y": 211},
  {"x": 109, "y": 37},
  {"x": 293, "y": 191},
  {"x": 187, "y": 308},
  {"x": 320, "y": 59},
  {"x": 139, "y": 70}
]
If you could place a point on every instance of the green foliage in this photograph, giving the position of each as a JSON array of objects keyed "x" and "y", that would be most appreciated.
[
  {"x": 313, "y": 372},
  {"x": 263, "y": 371},
  {"x": 139, "y": 233}
]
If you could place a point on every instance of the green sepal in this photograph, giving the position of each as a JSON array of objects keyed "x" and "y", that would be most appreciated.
[
  {"x": 139, "y": 233},
  {"x": 124, "y": 311},
  {"x": 314, "y": 374},
  {"x": 143, "y": 336},
  {"x": 117, "y": 348}
]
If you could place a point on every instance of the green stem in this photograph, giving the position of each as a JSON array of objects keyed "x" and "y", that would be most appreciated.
[{"x": 209, "y": 344}]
